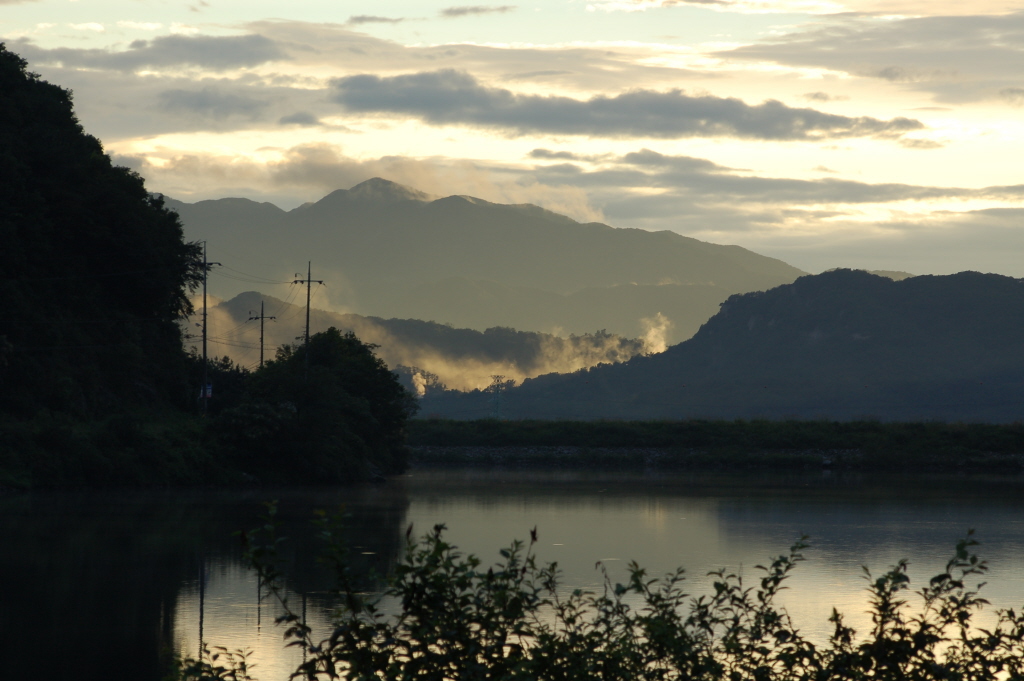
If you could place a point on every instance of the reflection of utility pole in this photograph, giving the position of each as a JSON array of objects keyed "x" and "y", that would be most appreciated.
[
  {"x": 308, "y": 281},
  {"x": 205, "y": 395},
  {"x": 497, "y": 385},
  {"x": 202, "y": 603},
  {"x": 261, "y": 318}
]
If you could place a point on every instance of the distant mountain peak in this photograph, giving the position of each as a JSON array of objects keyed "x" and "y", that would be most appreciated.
[{"x": 379, "y": 189}]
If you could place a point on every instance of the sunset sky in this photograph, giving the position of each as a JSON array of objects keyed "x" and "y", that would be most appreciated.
[{"x": 856, "y": 133}]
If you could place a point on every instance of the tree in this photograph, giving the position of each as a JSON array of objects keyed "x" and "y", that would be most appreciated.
[
  {"x": 332, "y": 412},
  {"x": 94, "y": 271}
]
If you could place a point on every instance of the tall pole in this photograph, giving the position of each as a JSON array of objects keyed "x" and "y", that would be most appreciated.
[
  {"x": 309, "y": 285},
  {"x": 261, "y": 318},
  {"x": 206, "y": 375},
  {"x": 308, "y": 281},
  {"x": 204, "y": 389}
]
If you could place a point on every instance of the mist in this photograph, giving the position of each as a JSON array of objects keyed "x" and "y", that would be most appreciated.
[{"x": 426, "y": 354}]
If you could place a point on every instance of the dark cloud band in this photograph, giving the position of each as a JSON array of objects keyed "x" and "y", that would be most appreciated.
[
  {"x": 455, "y": 97},
  {"x": 471, "y": 10},
  {"x": 211, "y": 52}
]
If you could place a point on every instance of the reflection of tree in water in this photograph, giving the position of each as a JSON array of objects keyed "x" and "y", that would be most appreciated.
[{"x": 95, "y": 576}]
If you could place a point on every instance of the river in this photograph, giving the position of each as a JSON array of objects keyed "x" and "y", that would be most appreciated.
[{"x": 111, "y": 584}]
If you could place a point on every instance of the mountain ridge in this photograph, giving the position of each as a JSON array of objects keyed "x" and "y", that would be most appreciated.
[
  {"x": 843, "y": 344},
  {"x": 378, "y": 252}
]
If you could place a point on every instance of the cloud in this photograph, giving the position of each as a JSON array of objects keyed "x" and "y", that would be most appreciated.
[
  {"x": 534, "y": 75},
  {"x": 1013, "y": 96},
  {"x": 334, "y": 48},
  {"x": 211, "y": 102},
  {"x": 702, "y": 181},
  {"x": 309, "y": 171},
  {"x": 883, "y": 7},
  {"x": 370, "y": 19},
  {"x": 449, "y": 97},
  {"x": 140, "y": 25},
  {"x": 955, "y": 58},
  {"x": 551, "y": 155},
  {"x": 302, "y": 118},
  {"x": 910, "y": 143},
  {"x": 824, "y": 97},
  {"x": 471, "y": 10},
  {"x": 89, "y": 26},
  {"x": 211, "y": 52}
]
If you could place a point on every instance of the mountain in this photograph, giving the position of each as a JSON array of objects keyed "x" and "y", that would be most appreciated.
[
  {"x": 392, "y": 251},
  {"x": 843, "y": 344},
  {"x": 425, "y": 354}
]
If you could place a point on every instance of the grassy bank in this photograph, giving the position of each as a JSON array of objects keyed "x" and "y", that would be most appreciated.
[{"x": 709, "y": 444}]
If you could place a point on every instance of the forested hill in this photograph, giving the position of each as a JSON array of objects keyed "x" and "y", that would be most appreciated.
[
  {"x": 94, "y": 272},
  {"x": 843, "y": 344}
]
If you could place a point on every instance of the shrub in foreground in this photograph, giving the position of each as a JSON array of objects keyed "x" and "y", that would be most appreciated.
[{"x": 459, "y": 620}]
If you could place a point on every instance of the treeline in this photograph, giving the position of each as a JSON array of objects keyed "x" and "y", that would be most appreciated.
[
  {"x": 332, "y": 413},
  {"x": 95, "y": 386},
  {"x": 866, "y": 445}
]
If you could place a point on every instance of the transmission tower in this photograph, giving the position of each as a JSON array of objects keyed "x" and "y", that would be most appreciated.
[{"x": 496, "y": 387}]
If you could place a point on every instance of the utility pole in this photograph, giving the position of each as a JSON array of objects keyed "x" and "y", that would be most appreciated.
[
  {"x": 308, "y": 281},
  {"x": 261, "y": 318},
  {"x": 497, "y": 385},
  {"x": 205, "y": 389}
]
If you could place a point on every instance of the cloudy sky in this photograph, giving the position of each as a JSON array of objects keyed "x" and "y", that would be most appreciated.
[{"x": 861, "y": 133}]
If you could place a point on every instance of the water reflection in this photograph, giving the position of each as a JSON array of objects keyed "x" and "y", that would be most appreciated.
[{"x": 114, "y": 580}]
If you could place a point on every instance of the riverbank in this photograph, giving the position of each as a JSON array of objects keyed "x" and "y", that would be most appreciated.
[
  {"x": 784, "y": 445},
  {"x": 147, "y": 450}
]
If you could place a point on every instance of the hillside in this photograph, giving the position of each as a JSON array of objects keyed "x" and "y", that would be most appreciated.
[
  {"x": 95, "y": 270},
  {"x": 424, "y": 353},
  {"x": 842, "y": 344},
  {"x": 390, "y": 251}
]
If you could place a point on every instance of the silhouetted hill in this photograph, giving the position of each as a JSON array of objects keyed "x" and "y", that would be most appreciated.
[
  {"x": 94, "y": 273},
  {"x": 843, "y": 344},
  {"x": 438, "y": 354},
  {"x": 392, "y": 251}
]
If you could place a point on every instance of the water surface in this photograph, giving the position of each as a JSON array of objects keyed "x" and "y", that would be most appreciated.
[{"x": 120, "y": 580}]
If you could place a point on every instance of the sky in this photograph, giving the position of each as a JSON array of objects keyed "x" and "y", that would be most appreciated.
[{"x": 826, "y": 133}]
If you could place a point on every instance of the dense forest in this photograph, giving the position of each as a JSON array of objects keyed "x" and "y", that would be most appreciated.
[
  {"x": 95, "y": 385},
  {"x": 95, "y": 270}
]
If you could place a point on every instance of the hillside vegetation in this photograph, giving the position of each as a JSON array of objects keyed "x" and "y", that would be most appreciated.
[
  {"x": 840, "y": 345},
  {"x": 94, "y": 272},
  {"x": 95, "y": 385}
]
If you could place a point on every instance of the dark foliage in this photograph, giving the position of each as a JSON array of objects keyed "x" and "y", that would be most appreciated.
[
  {"x": 329, "y": 413},
  {"x": 458, "y": 619},
  {"x": 94, "y": 272},
  {"x": 840, "y": 345},
  {"x": 863, "y": 445}
]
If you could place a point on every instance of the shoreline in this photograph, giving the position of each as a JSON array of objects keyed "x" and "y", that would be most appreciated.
[{"x": 675, "y": 458}]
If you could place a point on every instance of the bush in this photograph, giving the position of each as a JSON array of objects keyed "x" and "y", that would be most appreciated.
[
  {"x": 461, "y": 621},
  {"x": 329, "y": 413}
]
